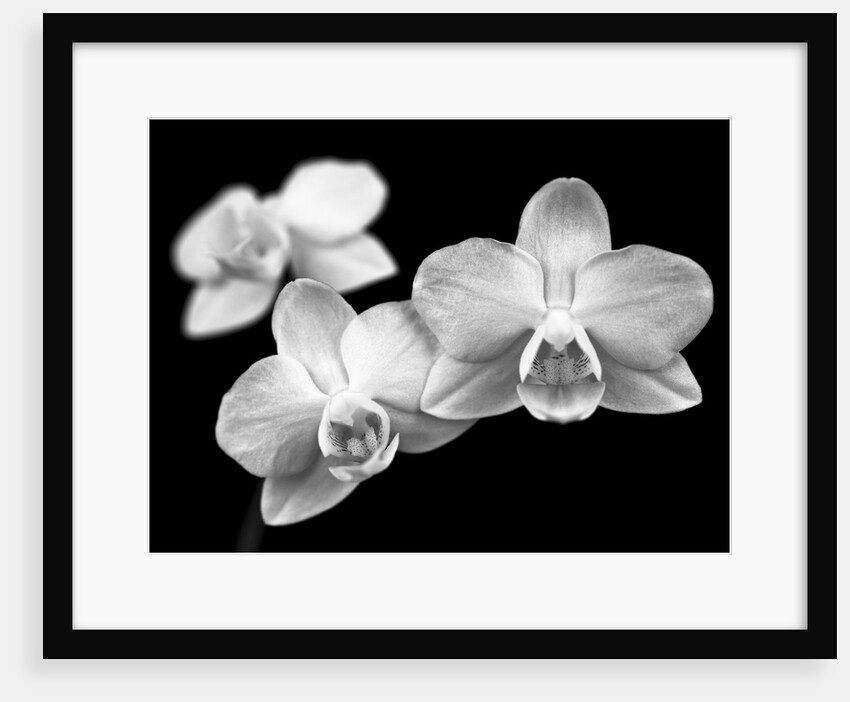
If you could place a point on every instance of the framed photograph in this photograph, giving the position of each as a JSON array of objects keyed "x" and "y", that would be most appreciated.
[{"x": 441, "y": 331}]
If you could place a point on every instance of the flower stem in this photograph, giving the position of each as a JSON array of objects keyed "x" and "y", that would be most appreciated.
[{"x": 250, "y": 535}]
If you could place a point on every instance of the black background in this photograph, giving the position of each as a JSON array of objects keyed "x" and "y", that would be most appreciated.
[{"x": 616, "y": 482}]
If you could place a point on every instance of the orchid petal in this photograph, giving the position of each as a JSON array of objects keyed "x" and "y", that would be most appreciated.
[
  {"x": 562, "y": 226},
  {"x": 328, "y": 199},
  {"x": 214, "y": 229},
  {"x": 268, "y": 420},
  {"x": 388, "y": 351},
  {"x": 479, "y": 296},
  {"x": 642, "y": 304},
  {"x": 219, "y": 307},
  {"x": 419, "y": 432},
  {"x": 294, "y": 498},
  {"x": 671, "y": 388},
  {"x": 358, "y": 472},
  {"x": 308, "y": 321},
  {"x": 346, "y": 265},
  {"x": 561, "y": 403},
  {"x": 465, "y": 390}
]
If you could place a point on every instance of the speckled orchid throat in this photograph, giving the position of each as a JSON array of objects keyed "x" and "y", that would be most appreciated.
[
  {"x": 354, "y": 428},
  {"x": 355, "y": 434}
]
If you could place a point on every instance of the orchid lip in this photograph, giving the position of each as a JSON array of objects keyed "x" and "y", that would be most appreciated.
[
  {"x": 251, "y": 265},
  {"x": 565, "y": 367},
  {"x": 355, "y": 431},
  {"x": 353, "y": 427},
  {"x": 260, "y": 252},
  {"x": 560, "y": 352}
]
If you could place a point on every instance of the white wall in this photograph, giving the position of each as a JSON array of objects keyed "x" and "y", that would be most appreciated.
[{"x": 22, "y": 672}]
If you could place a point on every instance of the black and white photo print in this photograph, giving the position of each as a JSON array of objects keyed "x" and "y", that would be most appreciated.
[{"x": 439, "y": 335}]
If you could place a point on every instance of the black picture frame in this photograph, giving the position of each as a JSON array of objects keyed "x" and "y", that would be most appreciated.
[{"x": 817, "y": 31}]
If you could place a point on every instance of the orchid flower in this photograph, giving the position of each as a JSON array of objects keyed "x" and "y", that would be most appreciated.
[
  {"x": 559, "y": 322},
  {"x": 235, "y": 249},
  {"x": 335, "y": 404}
]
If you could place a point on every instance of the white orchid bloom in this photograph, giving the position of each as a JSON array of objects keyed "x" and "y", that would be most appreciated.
[
  {"x": 559, "y": 322},
  {"x": 236, "y": 248},
  {"x": 336, "y": 402}
]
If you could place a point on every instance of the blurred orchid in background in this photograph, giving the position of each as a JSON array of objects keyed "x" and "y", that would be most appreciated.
[
  {"x": 236, "y": 248},
  {"x": 334, "y": 405},
  {"x": 559, "y": 322}
]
